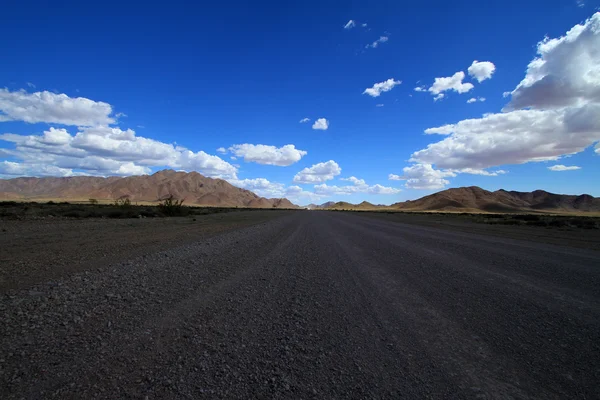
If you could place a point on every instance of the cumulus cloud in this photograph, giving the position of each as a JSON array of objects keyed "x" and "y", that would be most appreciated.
[
  {"x": 354, "y": 180},
  {"x": 481, "y": 70},
  {"x": 261, "y": 186},
  {"x": 361, "y": 187},
  {"x": 553, "y": 112},
  {"x": 318, "y": 173},
  {"x": 423, "y": 176},
  {"x": 265, "y": 188},
  {"x": 483, "y": 172},
  {"x": 222, "y": 150},
  {"x": 14, "y": 169},
  {"x": 560, "y": 167},
  {"x": 53, "y": 108},
  {"x": 454, "y": 82},
  {"x": 421, "y": 89},
  {"x": 375, "y": 44},
  {"x": 358, "y": 186},
  {"x": 566, "y": 72},
  {"x": 321, "y": 124},
  {"x": 268, "y": 155},
  {"x": 304, "y": 120},
  {"x": 103, "y": 150},
  {"x": 442, "y": 130},
  {"x": 475, "y": 99},
  {"x": 378, "y": 88},
  {"x": 350, "y": 24}
]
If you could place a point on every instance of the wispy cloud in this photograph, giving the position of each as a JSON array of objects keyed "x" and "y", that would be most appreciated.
[{"x": 375, "y": 44}]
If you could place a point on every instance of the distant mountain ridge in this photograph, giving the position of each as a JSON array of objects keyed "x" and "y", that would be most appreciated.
[
  {"x": 475, "y": 199},
  {"x": 193, "y": 187}
]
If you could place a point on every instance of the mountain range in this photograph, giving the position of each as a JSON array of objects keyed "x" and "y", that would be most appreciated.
[
  {"x": 195, "y": 188},
  {"x": 475, "y": 199}
]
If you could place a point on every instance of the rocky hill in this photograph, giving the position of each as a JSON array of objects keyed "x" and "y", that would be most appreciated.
[
  {"x": 193, "y": 187},
  {"x": 475, "y": 199}
]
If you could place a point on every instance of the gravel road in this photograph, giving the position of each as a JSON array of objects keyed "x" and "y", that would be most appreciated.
[{"x": 314, "y": 305}]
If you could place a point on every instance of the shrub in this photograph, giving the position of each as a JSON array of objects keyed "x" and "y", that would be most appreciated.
[
  {"x": 171, "y": 206},
  {"x": 93, "y": 202},
  {"x": 123, "y": 202}
]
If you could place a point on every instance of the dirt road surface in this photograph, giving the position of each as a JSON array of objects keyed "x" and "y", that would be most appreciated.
[{"x": 313, "y": 305}]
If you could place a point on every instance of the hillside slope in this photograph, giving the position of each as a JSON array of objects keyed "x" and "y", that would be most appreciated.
[
  {"x": 475, "y": 199},
  {"x": 193, "y": 187}
]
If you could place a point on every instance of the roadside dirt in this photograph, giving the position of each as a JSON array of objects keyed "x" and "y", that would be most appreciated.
[{"x": 34, "y": 251}]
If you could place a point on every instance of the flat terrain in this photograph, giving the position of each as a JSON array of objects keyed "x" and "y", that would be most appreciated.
[{"x": 295, "y": 305}]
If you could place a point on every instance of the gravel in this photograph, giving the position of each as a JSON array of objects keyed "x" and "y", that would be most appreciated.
[{"x": 313, "y": 305}]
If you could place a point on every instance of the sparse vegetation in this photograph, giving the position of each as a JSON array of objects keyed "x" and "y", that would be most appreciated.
[
  {"x": 123, "y": 202},
  {"x": 171, "y": 206},
  {"x": 93, "y": 202},
  {"x": 121, "y": 209}
]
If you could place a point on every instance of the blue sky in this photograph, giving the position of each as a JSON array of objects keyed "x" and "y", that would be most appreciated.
[{"x": 111, "y": 88}]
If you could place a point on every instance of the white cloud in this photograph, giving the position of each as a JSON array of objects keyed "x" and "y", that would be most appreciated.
[
  {"x": 483, "y": 172},
  {"x": 364, "y": 25},
  {"x": 560, "y": 167},
  {"x": 261, "y": 186},
  {"x": 442, "y": 130},
  {"x": 565, "y": 73},
  {"x": 268, "y": 155},
  {"x": 354, "y": 180},
  {"x": 375, "y": 44},
  {"x": 108, "y": 151},
  {"x": 13, "y": 169},
  {"x": 506, "y": 94},
  {"x": 350, "y": 24},
  {"x": 554, "y": 111},
  {"x": 31, "y": 85},
  {"x": 423, "y": 176},
  {"x": 380, "y": 87},
  {"x": 475, "y": 99},
  {"x": 513, "y": 138},
  {"x": 454, "y": 82},
  {"x": 321, "y": 124},
  {"x": 421, "y": 89},
  {"x": 304, "y": 120},
  {"x": 265, "y": 188},
  {"x": 580, "y": 3},
  {"x": 53, "y": 108},
  {"x": 481, "y": 70},
  {"x": 318, "y": 173},
  {"x": 326, "y": 190},
  {"x": 379, "y": 105},
  {"x": 439, "y": 97},
  {"x": 222, "y": 150}
]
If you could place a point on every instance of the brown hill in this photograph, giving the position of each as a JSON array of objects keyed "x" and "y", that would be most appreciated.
[
  {"x": 476, "y": 199},
  {"x": 193, "y": 187}
]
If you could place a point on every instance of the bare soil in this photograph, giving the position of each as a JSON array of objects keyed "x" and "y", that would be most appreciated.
[{"x": 37, "y": 250}]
